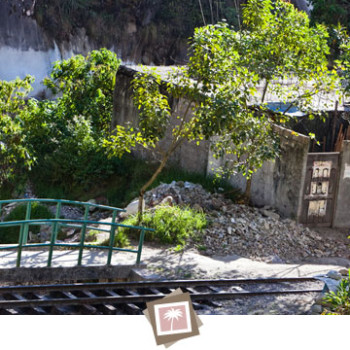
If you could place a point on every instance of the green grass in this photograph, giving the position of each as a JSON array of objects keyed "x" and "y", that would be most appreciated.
[{"x": 172, "y": 225}]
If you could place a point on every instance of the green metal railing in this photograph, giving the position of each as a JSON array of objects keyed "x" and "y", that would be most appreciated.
[{"x": 57, "y": 222}]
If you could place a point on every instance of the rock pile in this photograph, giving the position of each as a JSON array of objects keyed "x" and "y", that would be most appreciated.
[{"x": 254, "y": 233}]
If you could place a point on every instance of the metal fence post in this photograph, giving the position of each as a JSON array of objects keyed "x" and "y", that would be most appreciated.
[
  {"x": 111, "y": 238},
  {"x": 54, "y": 233},
  {"x": 139, "y": 251},
  {"x": 83, "y": 231},
  {"x": 20, "y": 243},
  {"x": 26, "y": 226}
]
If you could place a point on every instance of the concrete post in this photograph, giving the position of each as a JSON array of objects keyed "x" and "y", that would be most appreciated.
[{"x": 341, "y": 218}]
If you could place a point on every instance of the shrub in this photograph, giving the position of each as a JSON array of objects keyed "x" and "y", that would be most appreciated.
[
  {"x": 65, "y": 135},
  {"x": 11, "y": 234},
  {"x": 172, "y": 225},
  {"x": 338, "y": 303}
]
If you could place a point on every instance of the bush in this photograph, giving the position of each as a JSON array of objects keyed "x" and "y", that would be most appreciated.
[
  {"x": 172, "y": 225},
  {"x": 338, "y": 303},
  {"x": 11, "y": 234},
  {"x": 65, "y": 135}
]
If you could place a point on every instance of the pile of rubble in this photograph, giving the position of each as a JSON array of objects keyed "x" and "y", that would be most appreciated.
[{"x": 259, "y": 234}]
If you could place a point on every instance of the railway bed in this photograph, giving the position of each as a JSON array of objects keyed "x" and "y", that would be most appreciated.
[{"x": 129, "y": 298}]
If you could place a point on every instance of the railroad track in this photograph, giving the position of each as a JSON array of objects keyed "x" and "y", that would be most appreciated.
[{"x": 130, "y": 297}]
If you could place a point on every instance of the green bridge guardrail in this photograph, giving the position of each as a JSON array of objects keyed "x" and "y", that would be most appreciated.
[{"x": 57, "y": 222}]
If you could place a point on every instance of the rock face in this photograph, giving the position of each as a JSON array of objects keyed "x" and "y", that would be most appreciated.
[
  {"x": 30, "y": 40},
  {"x": 246, "y": 231},
  {"x": 35, "y": 33},
  {"x": 303, "y": 5},
  {"x": 25, "y": 48}
]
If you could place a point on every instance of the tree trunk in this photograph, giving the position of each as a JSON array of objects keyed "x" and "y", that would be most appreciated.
[
  {"x": 238, "y": 15},
  {"x": 201, "y": 8},
  {"x": 211, "y": 11},
  {"x": 264, "y": 92},
  {"x": 247, "y": 192},
  {"x": 148, "y": 184}
]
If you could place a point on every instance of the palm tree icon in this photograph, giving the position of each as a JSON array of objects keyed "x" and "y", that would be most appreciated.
[{"x": 173, "y": 314}]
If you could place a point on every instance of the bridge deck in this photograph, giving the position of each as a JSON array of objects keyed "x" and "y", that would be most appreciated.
[{"x": 63, "y": 258}]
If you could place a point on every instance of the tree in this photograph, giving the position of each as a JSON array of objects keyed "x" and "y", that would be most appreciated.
[
  {"x": 330, "y": 12},
  {"x": 86, "y": 85},
  {"x": 15, "y": 156},
  {"x": 218, "y": 87},
  {"x": 66, "y": 134}
]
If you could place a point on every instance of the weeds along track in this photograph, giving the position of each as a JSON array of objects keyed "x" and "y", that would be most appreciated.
[{"x": 129, "y": 298}]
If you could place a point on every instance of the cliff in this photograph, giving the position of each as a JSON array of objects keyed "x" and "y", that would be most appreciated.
[{"x": 34, "y": 33}]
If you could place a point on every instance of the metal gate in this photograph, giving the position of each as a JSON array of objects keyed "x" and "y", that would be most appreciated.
[{"x": 321, "y": 183}]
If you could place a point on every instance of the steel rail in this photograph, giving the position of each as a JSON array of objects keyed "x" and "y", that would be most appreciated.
[
  {"x": 133, "y": 295},
  {"x": 137, "y": 299},
  {"x": 152, "y": 284}
]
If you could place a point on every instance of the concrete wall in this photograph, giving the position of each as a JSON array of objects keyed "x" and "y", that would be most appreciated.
[
  {"x": 289, "y": 173},
  {"x": 278, "y": 183},
  {"x": 66, "y": 274},
  {"x": 189, "y": 156},
  {"x": 342, "y": 206}
]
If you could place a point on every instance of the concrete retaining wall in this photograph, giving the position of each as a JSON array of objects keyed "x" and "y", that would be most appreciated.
[{"x": 66, "y": 274}]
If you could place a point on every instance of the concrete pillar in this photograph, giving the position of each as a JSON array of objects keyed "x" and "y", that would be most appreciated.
[{"x": 341, "y": 217}]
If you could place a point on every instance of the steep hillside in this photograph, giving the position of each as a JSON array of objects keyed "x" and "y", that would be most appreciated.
[{"x": 34, "y": 33}]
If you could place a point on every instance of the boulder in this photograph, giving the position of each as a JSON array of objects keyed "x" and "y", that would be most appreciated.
[
  {"x": 270, "y": 214},
  {"x": 335, "y": 275},
  {"x": 316, "y": 309},
  {"x": 131, "y": 209}
]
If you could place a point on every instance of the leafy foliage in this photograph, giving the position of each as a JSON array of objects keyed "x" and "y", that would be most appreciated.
[
  {"x": 217, "y": 94},
  {"x": 11, "y": 234},
  {"x": 86, "y": 85},
  {"x": 339, "y": 303},
  {"x": 331, "y": 12},
  {"x": 172, "y": 225},
  {"x": 335, "y": 15},
  {"x": 15, "y": 156},
  {"x": 66, "y": 134}
]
